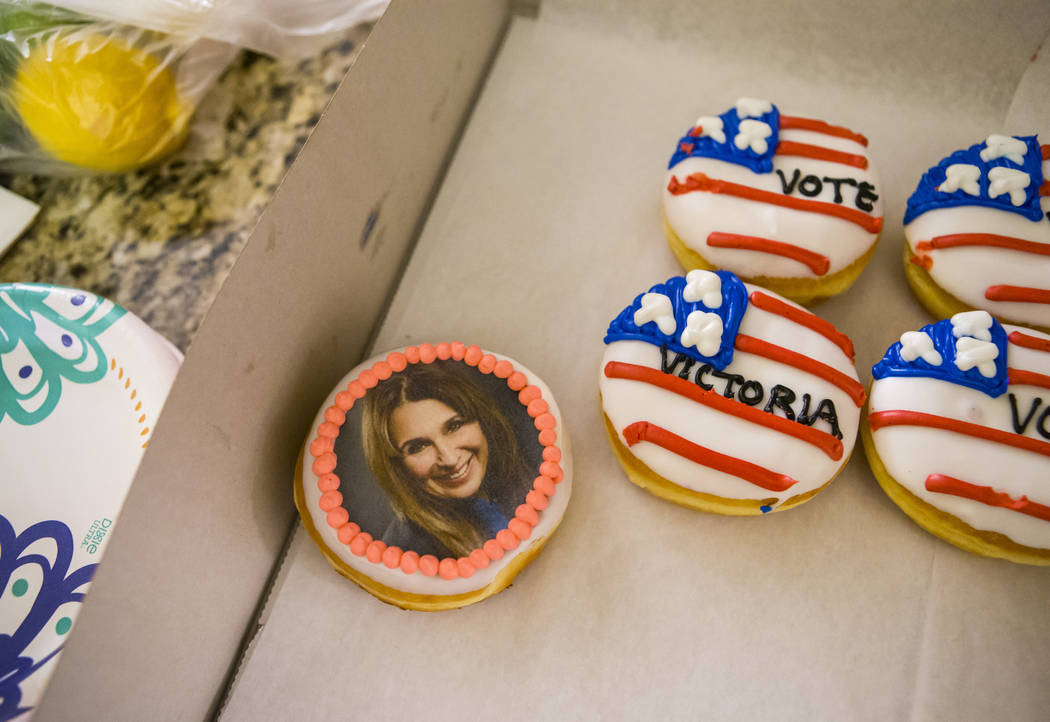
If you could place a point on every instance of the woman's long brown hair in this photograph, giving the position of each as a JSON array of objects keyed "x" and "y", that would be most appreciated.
[{"x": 447, "y": 520}]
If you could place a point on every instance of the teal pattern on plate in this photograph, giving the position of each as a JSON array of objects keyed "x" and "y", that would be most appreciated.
[{"x": 48, "y": 334}]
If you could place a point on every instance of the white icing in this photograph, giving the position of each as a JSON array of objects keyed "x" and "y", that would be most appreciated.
[
  {"x": 418, "y": 583},
  {"x": 972, "y": 323},
  {"x": 969, "y": 352},
  {"x": 961, "y": 176},
  {"x": 918, "y": 344},
  {"x": 626, "y": 402},
  {"x": 703, "y": 286},
  {"x": 703, "y": 331},
  {"x": 752, "y": 107},
  {"x": 1009, "y": 181},
  {"x": 966, "y": 271},
  {"x": 752, "y": 134},
  {"x": 911, "y": 453},
  {"x": 999, "y": 146},
  {"x": 694, "y": 216},
  {"x": 712, "y": 127},
  {"x": 656, "y": 307}
]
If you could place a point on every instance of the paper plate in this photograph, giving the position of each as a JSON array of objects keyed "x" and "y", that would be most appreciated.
[{"x": 82, "y": 382}]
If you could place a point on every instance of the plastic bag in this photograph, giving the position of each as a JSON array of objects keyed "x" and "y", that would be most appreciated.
[
  {"x": 282, "y": 28},
  {"x": 76, "y": 93}
]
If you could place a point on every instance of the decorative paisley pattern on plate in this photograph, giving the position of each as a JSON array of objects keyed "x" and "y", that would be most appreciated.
[
  {"x": 37, "y": 591},
  {"x": 48, "y": 334}
]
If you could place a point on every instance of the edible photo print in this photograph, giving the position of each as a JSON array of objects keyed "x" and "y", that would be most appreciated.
[{"x": 436, "y": 458}]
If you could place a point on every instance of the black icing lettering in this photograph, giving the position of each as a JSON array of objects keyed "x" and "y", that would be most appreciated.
[
  {"x": 669, "y": 368},
  {"x": 837, "y": 182},
  {"x": 788, "y": 187},
  {"x": 1020, "y": 426},
  {"x": 1041, "y": 426},
  {"x": 751, "y": 393},
  {"x": 803, "y": 415},
  {"x": 731, "y": 379},
  {"x": 866, "y": 196},
  {"x": 810, "y": 186},
  {"x": 826, "y": 410},
  {"x": 781, "y": 397},
  {"x": 699, "y": 380}
]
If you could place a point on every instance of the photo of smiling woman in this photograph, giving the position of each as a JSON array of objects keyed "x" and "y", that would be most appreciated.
[{"x": 446, "y": 456}]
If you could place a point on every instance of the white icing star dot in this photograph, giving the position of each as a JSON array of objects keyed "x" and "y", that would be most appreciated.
[
  {"x": 918, "y": 344},
  {"x": 961, "y": 176},
  {"x": 972, "y": 323},
  {"x": 704, "y": 331},
  {"x": 999, "y": 146},
  {"x": 752, "y": 107},
  {"x": 656, "y": 307},
  {"x": 753, "y": 134},
  {"x": 703, "y": 286},
  {"x": 1010, "y": 181},
  {"x": 970, "y": 352},
  {"x": 712, "y": 127}
]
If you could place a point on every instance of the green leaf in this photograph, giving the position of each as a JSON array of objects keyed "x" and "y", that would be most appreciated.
[{"x": 25, "y": 18}]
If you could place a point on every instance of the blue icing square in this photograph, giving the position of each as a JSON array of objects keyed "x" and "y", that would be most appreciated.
[
  {"x": 707, "y": 147},
  {"x": 734, "y": 305},
  {"x": 944, "y": 343},
  {"x": 926, "y": 196}
]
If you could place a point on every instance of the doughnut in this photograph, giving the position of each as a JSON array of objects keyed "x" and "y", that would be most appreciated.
[
  {"x": 978, "y": 233},
  {"x": 786, "y": 202},
  {"x": 957, "y": 433},
  {"x": 725, "y": 397},
  {"x": 433, "y": 474}
]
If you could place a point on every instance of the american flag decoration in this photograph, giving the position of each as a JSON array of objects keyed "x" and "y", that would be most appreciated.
[
  {"x": 960, "y": 416},
  {"x": 1003, "y": 172},
  {"x": 767, "y": 194},
  {"x": 726, "y": 389},
  {"x": 977, "y": 225}
]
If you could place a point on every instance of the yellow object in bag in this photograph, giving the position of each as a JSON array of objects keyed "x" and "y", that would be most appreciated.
[{"x": 99, "y": 103}]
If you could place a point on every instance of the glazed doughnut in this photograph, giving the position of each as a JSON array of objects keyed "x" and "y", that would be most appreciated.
[
  {"x": 957, "y": 434},
  {"x": 786, "y": 202},
  {"x": 978, "y": 235},
  {"x": 725, "y": 397},
  {"x": 433, "y": 474}
]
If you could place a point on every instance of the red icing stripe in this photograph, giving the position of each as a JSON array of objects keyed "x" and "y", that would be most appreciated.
[
  {"x": 900, "y": 417},
  {"x": 986, "y": 495},
  {"x": 817, "y": 263},
  {"x": 791, "y": 122},
  {"x": 815, "y": 437},
  {"x": 1026, "y": 341},
  {"x": 922, "y": 260},
  {"x": 1044, "y": 190},
  {"x": 750, "y": 344},
  {"x": 1045, "y": 149},
  {"x": 811, "y": 321},
  {"x": 817, "y": 152},
  {"x": 701, "y": 182},
  {"x": 1022, "y": 294},
  {"x": 758, "y": 475},
  {"x": 1028, "y": 378},
  {"x": 982, "y": 239}
]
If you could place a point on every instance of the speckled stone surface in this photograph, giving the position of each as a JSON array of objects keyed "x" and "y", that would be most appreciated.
[{"x": 161, "y": 241}]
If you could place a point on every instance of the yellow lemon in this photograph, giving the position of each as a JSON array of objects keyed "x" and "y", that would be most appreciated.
[{"x": 99, "y": 103}]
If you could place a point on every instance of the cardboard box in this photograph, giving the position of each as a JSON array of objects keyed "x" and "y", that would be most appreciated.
[{"x": 545, "y": 226}]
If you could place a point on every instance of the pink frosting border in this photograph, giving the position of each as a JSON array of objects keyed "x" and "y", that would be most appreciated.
[{"x": 526, "y": 516}]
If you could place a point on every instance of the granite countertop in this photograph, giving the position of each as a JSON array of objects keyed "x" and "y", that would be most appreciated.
[{"x": 161, "y": 241}]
